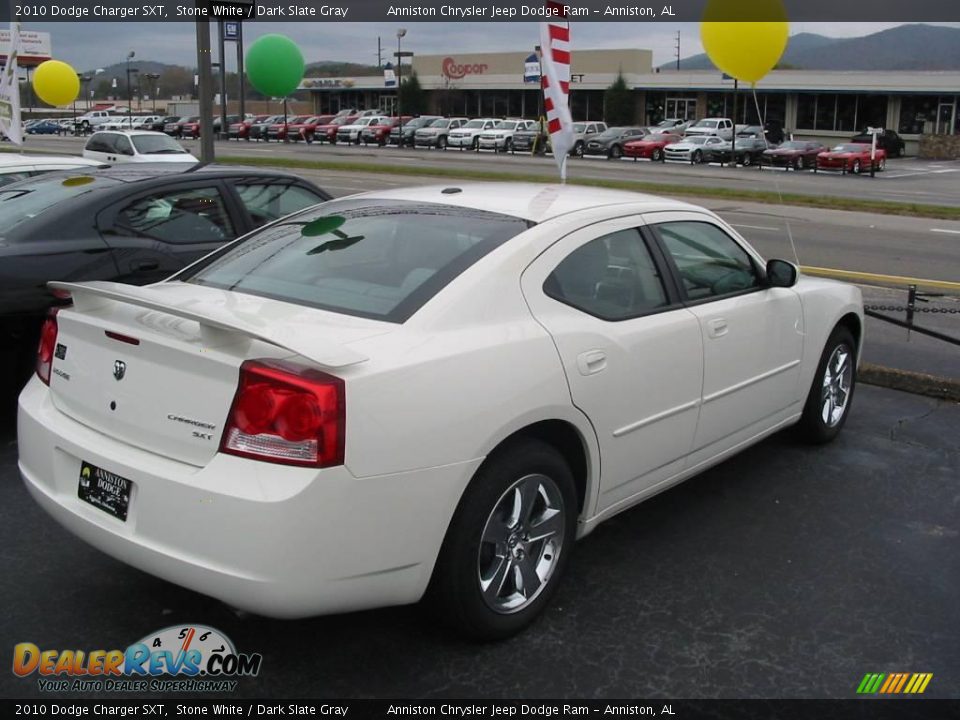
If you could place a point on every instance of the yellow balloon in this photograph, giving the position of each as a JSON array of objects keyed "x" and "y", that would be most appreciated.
[
  {"x": 746, "y": 50},
  {"x": 56, "y": 83}
]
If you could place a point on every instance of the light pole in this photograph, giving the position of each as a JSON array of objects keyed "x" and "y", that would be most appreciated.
[
  {"x": 156, "y": 88},
  {"x": 130, "y": 56},
  {"x": 401, "y": 32}
]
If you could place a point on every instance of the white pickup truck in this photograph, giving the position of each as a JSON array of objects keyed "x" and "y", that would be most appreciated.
[{"x": 93, "y": 119}]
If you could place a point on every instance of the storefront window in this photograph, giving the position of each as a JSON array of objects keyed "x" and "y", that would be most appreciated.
[
  {"x": 871, "y": 112},
  {"x": 806, "y": 111},
  {"x": 826, "y": 111},
  {"x": 916, "y": 112},
  {"x": 846, "y": 113}
]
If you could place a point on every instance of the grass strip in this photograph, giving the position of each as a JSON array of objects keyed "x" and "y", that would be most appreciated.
[{"x": 940, "y": 212}]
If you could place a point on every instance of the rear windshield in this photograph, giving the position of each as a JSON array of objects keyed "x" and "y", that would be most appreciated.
[
  {"x": 28, "y": 199},
  {"x": 157, "y": 145},
  {"x": 375, "y": 259}
]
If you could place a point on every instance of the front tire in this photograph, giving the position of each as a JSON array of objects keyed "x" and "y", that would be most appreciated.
[
  {"x": 442, "y": 143},
  {"x": 578, "y": 149},
  {"x": 508, "y": 543},
  {"x": 857, "y": 167},
  {"x": 656, "y": 155},
  {"x": 828, "y": 403},
  {"x": 616, "y": 152},
  {"x": 697, "y": 157}
]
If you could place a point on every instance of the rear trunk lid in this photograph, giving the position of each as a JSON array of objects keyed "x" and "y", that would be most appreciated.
[{"x": 157, "y": 367}]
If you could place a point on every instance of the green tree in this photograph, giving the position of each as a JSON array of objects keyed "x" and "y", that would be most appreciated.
[
  {"x": 619, "y": 106},
  {"x": 413, "y": 100}
]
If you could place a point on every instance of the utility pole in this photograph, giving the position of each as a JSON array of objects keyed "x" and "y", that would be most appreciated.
[
  {"x": 678, "y": 50},
  {"x": 221, "y": 53},
  {"x": 205, "y": 85},
  {"x": 240, "y": 75},
  {"x": 379, "y": 53}
]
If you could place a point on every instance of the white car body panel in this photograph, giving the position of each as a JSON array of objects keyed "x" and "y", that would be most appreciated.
[
  {"x": 136, "y": 157},
  {"x": 427, "y": 401}
]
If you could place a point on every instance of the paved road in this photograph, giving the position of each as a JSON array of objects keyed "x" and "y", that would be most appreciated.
[
  {"x": 788, "y": 571},
  {"x": 906, "y": 180}
]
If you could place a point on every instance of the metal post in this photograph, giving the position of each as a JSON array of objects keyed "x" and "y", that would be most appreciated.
[
  {"x": 733, "y": 139},
  {"x": 223, "y": 79},
  {"x": 911, "y": 303},
  {"x": 400, "y": 34},
  {"x": 205, "y": 85},
  {"x": 243, "y": 92}
]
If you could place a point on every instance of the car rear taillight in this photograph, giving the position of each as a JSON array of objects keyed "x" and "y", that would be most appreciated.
[
  {"x": 288, "y": 414},
  {"x": 48, "y": 344}
]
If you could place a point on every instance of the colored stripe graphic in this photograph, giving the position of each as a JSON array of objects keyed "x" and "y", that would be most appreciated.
[{"x": 894, "y": 683}]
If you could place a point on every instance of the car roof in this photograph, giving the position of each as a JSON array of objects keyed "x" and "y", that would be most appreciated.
[
  {"x": 135, "y": 172},
  {"x": 529, "y": 201},
  {"x": 10, "y": 160},
  {"x": 129, "y": 132}
]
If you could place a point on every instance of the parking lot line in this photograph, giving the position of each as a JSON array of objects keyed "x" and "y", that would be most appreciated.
[
  {"x": 948, "y": 232},
  {"x": 756, "y": 227},
  {"x": 876, "y": 278}
]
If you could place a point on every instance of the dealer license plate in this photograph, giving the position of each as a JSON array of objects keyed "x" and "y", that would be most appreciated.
[{"x": 103, "y": 489}]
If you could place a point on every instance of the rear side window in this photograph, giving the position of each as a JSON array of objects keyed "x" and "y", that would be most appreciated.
[
  {"x": 382, "y": 260},
  {"x": 196, "y": 215},
  {"x": 613, "y": 277},
  {"x": 267, "y": 202}
]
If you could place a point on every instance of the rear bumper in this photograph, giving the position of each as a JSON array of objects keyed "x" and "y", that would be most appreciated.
[{"x": 274, "y": 540}]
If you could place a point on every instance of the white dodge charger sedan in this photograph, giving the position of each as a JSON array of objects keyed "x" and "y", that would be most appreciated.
[{"x": 422, "y": 392}]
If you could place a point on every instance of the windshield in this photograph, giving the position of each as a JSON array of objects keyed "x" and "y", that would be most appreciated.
[
  {"x": 505, "y": 125},
  {"x": 30, "y": 198},
  {"x": 696, "y": 140},
  {"x": 848, "y": 148},
  {"x": 792, "y": 145},
  {"x": 475, "y": 124},
  {"x": 418, "y": 122},
  {"x": 370, "y": 258},
  {"x": 441, "y": 123},
  {"x": 157, "y": 145}
]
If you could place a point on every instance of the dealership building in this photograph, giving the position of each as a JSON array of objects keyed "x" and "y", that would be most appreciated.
[{"x": 824, "y": 105}]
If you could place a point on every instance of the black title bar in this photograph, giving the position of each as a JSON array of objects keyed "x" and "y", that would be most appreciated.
[
  {"x": 469, "y": 10},
  {"x": 175, "y": 706}
]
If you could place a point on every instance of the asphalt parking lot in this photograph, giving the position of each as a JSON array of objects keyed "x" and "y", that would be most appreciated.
[{"x": 788, "y": 571}]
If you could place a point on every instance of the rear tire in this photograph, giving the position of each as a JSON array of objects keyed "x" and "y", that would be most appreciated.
[
  {"x": 831, "y": 394},
  {"x": 578, "y": 149},
  {"x": 616, "y": 152},
  {"x": 857, "y": 167},
  {"x": 494, "y": 575},
  {"x": 697, "y": 157}
]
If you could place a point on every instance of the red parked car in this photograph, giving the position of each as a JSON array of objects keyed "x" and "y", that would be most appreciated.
[
  {"x": 305, "y": 130},
  {"x": 328, "y": 132},
  {"x": 190, "y": 129},
  {"x": 380, "y": 134},
  {"x": 796, "y": 154},
  {"x": 852, "y": 157},
  {"x": 650, "y": 146},
  {"x": 241, "y": 130},
  {"x": 278, "y": 131}
]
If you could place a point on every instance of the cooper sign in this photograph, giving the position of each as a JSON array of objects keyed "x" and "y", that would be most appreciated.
[{"x": 457, "y": 71}]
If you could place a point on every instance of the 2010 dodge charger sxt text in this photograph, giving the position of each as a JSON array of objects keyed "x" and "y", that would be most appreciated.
[{"x": 424, "y": 391}]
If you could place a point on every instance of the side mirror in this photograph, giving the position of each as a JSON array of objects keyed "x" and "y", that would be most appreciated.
[{"x": 781, "y": 273}]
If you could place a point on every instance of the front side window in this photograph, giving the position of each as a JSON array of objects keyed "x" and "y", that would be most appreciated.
[
  {"x": 370, "y": 258},
  {"x": 613, "y": 278},
  {"x": 196, "y": 215},
  {"x": 710, "y": 262}
]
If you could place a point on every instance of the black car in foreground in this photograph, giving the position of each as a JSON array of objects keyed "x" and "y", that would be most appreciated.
[{"x": 135, "y": 224}]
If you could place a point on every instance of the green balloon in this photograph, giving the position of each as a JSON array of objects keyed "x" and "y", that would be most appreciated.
[{"x": 275, "y": 65}]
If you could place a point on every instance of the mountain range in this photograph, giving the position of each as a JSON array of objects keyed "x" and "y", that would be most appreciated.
[{"x": 907, "y": 47}]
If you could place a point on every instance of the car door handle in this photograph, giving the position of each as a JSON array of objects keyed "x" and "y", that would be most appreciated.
[
  {"x": 144, "y": 265},
  {"x": 717, "y": 327},
  {"x": 591, "y": 362}
]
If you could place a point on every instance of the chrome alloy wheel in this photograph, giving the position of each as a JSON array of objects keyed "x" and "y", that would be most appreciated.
[
  {"x": 521, "y": 544},
  {"x": 837, "y": 379}
]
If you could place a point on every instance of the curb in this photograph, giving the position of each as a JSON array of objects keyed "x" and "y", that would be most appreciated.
[{"x": 909, "y": 381}]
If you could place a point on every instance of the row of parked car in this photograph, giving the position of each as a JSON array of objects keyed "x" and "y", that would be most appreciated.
[{"x": 706, "y": 141}]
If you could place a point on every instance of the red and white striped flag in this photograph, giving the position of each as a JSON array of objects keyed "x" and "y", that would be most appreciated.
[{"x": 555, "y": 49}]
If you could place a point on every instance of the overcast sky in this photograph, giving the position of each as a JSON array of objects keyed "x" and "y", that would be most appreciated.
[{"x": 87, "y": 46}]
